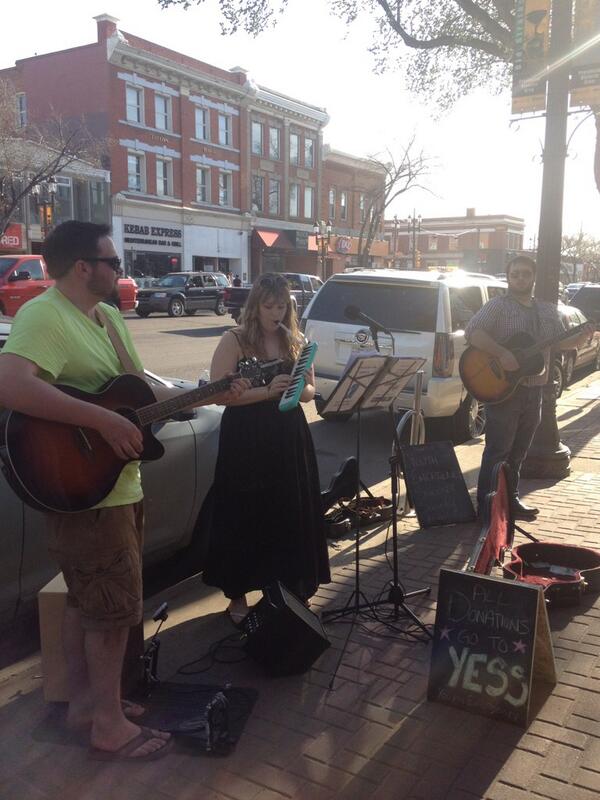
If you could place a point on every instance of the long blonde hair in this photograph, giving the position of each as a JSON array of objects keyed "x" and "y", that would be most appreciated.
[{"x": 269, "y": 286}]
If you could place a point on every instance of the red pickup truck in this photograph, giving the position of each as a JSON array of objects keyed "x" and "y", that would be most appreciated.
[{"x": 24, "y": 277}]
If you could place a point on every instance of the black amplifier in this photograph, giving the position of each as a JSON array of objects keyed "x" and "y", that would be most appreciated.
[{"x": 282, "y": 634}]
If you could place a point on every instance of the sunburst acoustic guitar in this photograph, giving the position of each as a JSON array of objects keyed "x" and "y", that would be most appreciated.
[
  {"x": 53, "y": 466},
  {"x": 486, "y": 379}
]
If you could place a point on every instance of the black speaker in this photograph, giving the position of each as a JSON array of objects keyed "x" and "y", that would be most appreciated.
[{"x": 284, "y": 636}]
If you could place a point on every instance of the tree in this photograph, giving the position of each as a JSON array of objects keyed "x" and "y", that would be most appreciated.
[
  {"x": 581, "y": 249},
  {"x": 30, "y": 154},
  {"x": 395, "y": 176}
]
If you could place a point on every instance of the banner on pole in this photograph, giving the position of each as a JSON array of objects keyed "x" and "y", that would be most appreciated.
[
  {"x": 585, "y": 76},
  {"x": 532, "y": 39}
]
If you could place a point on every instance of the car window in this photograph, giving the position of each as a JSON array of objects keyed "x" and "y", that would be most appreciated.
[
  {"x": 172, "y": 281},
  {"x": 398, "y": 306},
  {"x": 464, "y": 302},
  {"x": 294, "y": 282},
  {"x": 34, "y": 268},
  {"x": 209, "y": 280},
  {"x": 196, "y": 282},
  {"x": 6, "y": 263},
  {"x": 495, "y": 291},
  {"x": 221, "y": 280},
  {"x": 316, "y": 284}
]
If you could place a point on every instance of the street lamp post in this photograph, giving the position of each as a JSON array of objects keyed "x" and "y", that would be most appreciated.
[
  {"x": 414, "y": 227},
  {"x": 322, "y": 231},
  {"x": 44, "y": 197}
]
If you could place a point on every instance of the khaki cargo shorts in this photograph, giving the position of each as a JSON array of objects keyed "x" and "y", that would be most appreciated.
[{"x": 100, "y": 554}]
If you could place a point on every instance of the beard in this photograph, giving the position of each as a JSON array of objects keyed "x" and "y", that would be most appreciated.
[{"x": 99, "y": 289}]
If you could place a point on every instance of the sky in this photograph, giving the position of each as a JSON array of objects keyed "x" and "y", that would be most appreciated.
[{"x": 478, "y": 159}]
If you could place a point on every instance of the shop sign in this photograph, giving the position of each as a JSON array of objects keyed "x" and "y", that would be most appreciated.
[
  {"x": 343, "y": 245},
  {"x": 12, "y": 238},
  {"x": 155, "y": 237},
  {"x": 302, "y": 240}
]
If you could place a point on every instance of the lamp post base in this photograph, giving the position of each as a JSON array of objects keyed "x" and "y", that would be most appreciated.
[{"x": 548, "y": 457}]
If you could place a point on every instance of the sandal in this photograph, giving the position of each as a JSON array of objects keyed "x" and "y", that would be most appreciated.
[{"x": 124, "y": 753}]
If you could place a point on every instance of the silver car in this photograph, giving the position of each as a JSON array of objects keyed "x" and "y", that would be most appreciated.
[{"x": 175, "y": 488}]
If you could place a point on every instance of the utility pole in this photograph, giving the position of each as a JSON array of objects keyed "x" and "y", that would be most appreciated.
[{"x": 548, "y": 456}]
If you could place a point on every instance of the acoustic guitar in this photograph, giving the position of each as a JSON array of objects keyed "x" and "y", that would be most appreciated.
[
  {"x": 486, "y": 379},
  {"x": 54, "y": 466}
]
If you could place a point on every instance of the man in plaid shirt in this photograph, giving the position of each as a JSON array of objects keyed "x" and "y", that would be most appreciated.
[{"x": 511, "y": 425}]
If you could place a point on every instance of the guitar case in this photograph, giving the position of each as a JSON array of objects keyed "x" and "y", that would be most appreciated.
[{"x": 565, "y": 572}]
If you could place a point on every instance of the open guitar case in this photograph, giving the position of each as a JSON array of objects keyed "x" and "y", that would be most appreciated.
[{"x": 563, "y": 571}]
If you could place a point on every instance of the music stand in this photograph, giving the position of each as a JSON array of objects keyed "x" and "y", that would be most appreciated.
[{"x": 368, "y": 382}]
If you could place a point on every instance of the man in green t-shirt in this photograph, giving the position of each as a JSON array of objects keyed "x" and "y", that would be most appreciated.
[{"x": 58, "y": 338}]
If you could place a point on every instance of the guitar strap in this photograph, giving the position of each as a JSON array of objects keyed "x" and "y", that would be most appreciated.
[{"x": 117, "y": 343}]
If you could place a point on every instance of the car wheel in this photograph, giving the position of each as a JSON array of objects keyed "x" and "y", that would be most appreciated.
[
  {"x": 558, "y": 376},
  {"x": 176, "y": 308},
  {"x": 142, "y": 313},
  {"x": 569, "y": 367},
  {"x": 469, "y": 420},
  {"x": 320, "y": 405},
  {"x": 220, "y": 309}
]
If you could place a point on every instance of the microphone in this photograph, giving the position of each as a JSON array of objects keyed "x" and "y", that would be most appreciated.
[{"x": 354, "y": 313}]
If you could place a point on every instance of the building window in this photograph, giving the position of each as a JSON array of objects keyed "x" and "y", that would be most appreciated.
[
  {"x": 308, "y": 201},
  {"x": 225, "y": 129},
  {"x": 258, "y": 189},
  {"x": 274, "y": 189},
  {"x": 163, "y": 177},
  {"x": 21, "y": 110},
  {"x": 453, "y": 243},
  {"x": 202, "y": 124},
  {"x": 162, "y": 112},
  {"x": 343, "y": 206},
  {"x": 294, "y": 148},
  {"x": 257, "y": 138},
  {"x": 202, "y": 185},
  {"x": 135, "y": 172},
  {"x": 432, "y": 243},
  {"x": 135, "y": 105},
  {"x": 224, "y": 187},
  {"x": 98, "y": 201},
  {"x": 294, "y": 198},
  {"x": 484, "y": 241},
  {"x": 309, "y": 153},
  {"x": 274, "y": 138},
  {"x": 332, "y": 204},
  {"x": 361, "y": 207}
]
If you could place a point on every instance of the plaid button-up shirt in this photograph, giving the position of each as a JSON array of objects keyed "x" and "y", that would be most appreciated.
[{"x": 504, "y": 316}]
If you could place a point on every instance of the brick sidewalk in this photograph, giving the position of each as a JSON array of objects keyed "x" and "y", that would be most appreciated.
[{"x": 375, "y": 736}]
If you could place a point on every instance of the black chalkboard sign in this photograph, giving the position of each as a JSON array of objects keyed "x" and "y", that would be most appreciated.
[
  {"x": 435, "y": 484},
  {"x": 491, "y": 641}
]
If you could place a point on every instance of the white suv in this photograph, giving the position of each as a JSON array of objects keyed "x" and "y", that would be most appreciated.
[{"x": 426, "y": 313}]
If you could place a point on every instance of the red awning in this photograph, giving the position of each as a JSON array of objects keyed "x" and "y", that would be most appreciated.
[{"x": 268, "y": 238}]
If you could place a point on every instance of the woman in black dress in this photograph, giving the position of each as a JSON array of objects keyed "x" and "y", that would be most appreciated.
[{"x": 267, "y": 520}]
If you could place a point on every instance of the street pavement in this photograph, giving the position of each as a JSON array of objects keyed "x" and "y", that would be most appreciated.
[{"x": 374, "y": 736}]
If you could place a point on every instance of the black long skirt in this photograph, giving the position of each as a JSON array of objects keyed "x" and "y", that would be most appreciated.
[{"x": 267, "y": 520}]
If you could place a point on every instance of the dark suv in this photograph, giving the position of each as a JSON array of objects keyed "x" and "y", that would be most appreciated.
[
  {"x": 179, "y": 293},
  {"x": 587, "y": 299}
]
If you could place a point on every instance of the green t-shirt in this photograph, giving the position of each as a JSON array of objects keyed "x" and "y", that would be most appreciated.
[{"x": 71, "y": 349}]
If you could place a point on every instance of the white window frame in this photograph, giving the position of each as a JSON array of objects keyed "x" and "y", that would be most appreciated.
[
  {"x": 257, "y": 132},
  {"x": 204, "y": 185},
  {"x": 274, "y": 143},
  {"x": 362, "y": 207},
  {"x": 166, "y": 179},
  {"x": 274, "y": 192},
  {"x": 294, "y": 137},
  {"x": 202, "y": 130},
  {"x": 138, "y": 117},
  {"x": 225, "y": 129},
  {"x": 258, "y": 193},
  {"x": 21, "y": 109},
  {"x": 331, "y": 202},
  {"x": 310, "y": 145},
  {"x": 343, "y": 206},
  {"x": 294, "y": 204},
  {"x": 309, "y": 202},
  {"x": 162, "y": 117},
  {"x": 225, "y": 187},
  {"x": 142, "y": 171}
]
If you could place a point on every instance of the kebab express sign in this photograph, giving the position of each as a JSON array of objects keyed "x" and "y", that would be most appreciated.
[{"x": 151, "y": 237}]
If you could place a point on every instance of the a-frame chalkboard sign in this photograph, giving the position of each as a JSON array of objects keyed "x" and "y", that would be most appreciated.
[{"x": 491, "y": 644}]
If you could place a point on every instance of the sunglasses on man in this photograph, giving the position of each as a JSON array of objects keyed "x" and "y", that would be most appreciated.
[{"x": 114, "y": 262}]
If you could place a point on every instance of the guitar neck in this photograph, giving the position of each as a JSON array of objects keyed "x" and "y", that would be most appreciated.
[
  {"x": 196, "y": 397},
  {"x": 527, "y": 352}
]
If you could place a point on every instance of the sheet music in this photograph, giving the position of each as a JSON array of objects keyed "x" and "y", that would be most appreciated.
[{"x": 373, "y": 381}]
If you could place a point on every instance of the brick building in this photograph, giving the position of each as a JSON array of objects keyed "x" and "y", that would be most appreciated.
[
  {"x": 476, "y": 243},
  {"x": 208, "y": 170}
]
